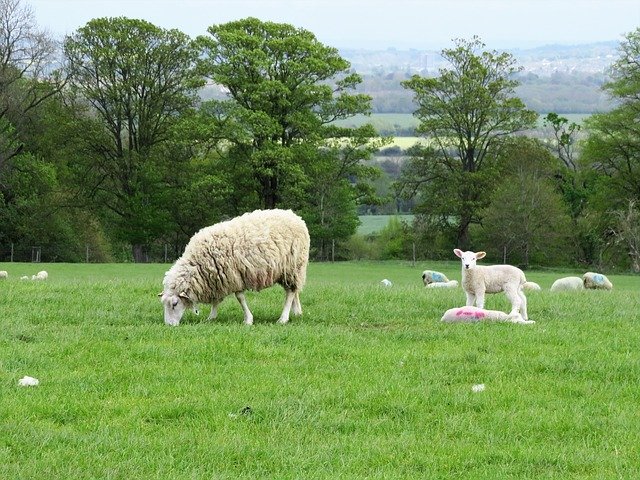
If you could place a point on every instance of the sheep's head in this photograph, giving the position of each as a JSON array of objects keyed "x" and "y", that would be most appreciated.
[
  {"x": 174, "y": 306},
  {"x": 468, "y": 259}
]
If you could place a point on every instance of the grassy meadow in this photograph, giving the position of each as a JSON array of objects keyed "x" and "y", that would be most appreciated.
[{"x": 368, "y": 383}]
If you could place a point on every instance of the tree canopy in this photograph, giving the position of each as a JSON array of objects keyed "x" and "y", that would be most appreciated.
[{"x": 464, "y": 113}]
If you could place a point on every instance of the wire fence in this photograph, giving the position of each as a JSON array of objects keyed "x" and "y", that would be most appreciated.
[{"x": 53, "y": 253}]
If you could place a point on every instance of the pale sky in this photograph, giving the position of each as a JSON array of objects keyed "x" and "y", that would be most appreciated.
[{"x": 375, "y": 24}]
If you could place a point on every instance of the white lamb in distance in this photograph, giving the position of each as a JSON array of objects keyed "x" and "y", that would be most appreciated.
[
  {"x": 478, "y": 280},
  {"x": 41, "y": 275},
  {"x": 4, "y": 274},
  {"x": 250, "y": 252},
  {"x": 567, "y": 283},
  {"x": 531, "y": 286},
  {"x": 447, "y": 284}
]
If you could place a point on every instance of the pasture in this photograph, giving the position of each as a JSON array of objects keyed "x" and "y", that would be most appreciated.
[{"x": 366, "y": 384}]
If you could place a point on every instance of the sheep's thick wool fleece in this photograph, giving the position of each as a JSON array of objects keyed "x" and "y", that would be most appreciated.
[
  {"x": 250, "y": 252},
  {"x": 494, "y": 277}
]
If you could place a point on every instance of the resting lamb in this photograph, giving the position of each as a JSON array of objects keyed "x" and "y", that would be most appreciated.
[{"x": 250, "y": 252}]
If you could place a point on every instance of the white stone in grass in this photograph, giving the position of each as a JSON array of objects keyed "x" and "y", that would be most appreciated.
[
  {"x": 27, "y": 381},
  {"x": 386, "y": 283},
  {"x": 479, "y": 387}
]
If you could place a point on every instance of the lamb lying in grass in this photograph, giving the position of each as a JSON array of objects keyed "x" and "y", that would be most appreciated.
[
  {"x": 478, "y": 280},
  {"x": 447, "y": 284},
  {"x": 475, "y": 314},
  {"x": 596, "y": 281}
]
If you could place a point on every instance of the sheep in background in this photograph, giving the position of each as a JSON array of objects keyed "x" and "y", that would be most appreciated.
[
  {"x": 386, "y": 282},
  {"x": 42, "y": 275},
  {"x": 250, "y": 252},
  {"x": 430, "y": 276},
  {"x": 24, "y": 277},
  {"x": 478, "y": 280},
  {"x": 531, "y": 286},
  {"x": 596, "y": 281},
  {"x": 447, "y": 284},
  {"x": 4, "y": 274},
  {"x": 567, "y": 283}
]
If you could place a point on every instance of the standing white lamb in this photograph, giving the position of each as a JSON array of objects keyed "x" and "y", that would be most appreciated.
[
  {"x": 250, "y": 252},
  {"x": 478, "y": 280},
  {"x": 4, "y": 274}
]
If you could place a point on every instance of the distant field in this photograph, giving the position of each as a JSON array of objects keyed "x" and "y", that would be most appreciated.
[
  {"x": 374, "y": 223},
  {"x": 406, "y": 121}
]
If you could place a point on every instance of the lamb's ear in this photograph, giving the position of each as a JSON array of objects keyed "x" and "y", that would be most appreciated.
[
  {"x": 480, "y": 255},
  {"x": 160, "y": 294},
  {"x": 458, "y": 252},
  {"x": 184, "y": 295}
]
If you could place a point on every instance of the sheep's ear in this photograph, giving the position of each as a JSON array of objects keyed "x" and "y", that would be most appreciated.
[
  {"x": 160, "y": 294},
  {"x": 184, "y": 295},
  {"x": 480, "y": 255},
  {"x": 458, "y": 252}
]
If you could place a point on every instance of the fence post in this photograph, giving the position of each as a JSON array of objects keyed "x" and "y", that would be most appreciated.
[
  {"x": 504, "y": 254},
  {"x": 413, "y": 264},
  {"x": 87, "y": 256},
  {"x": 11, "y": 252},
  {"x": 333, "y": 250},
  {"x": 165, "y": 253}
]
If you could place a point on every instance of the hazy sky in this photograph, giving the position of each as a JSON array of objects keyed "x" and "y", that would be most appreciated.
[{"x": 420, "y": 24}]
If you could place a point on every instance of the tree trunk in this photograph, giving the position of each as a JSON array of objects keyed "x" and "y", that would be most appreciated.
[{"x": 139, "y": 255}]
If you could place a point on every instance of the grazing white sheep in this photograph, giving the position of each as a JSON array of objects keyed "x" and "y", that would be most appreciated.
[
  {"x": 447, "y": 284},
  {"x": 250, "y": 252},
  {"x": 24, "y": 277},
  {"x": 478, "y": 280},
  {"x": 567, "y": 283},
  {"x": 474, "y": 314},
  {"x": 531, "y": 286},
  {"x": 430, "y": 276},
  {"x": 42, "y": 275},
  {"x": 4, "y": 274},
  {"x": 596, "y": 281},
  {"x": 386, "y": 282}
]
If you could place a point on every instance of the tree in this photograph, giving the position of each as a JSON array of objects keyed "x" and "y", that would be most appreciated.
[
  {"x": 465, "y": 113},
  {"x": 28, "y": 73},
  {"x": 526, "y": 220},
  {"x": 285, "y": 89},
  {"x": 612, "y": 147},
  {"x": 139, "y": 79}
]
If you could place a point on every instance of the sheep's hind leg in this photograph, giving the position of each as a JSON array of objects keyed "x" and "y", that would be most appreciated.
[
  {"x": 297, "y": 306},
  {"x": 523, "y": 304},
  {"x": 514, "y": 297},
  {"x": 288, "y": 301},
  {"x": 248, "y": 317}
]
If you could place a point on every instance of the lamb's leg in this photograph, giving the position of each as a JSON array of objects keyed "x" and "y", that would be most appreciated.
[
  {"x": 214, "y": 309},
  {"x": 248, "y": 317},
  {"x": 471, "y": 298},
  {"x": 516, "y": 303},
  {"x": 288, "y": 301},
  {"x": 523, "y": 304},
  {"x": 297, "y": 306},
  {"x": 479, "y": 298}
]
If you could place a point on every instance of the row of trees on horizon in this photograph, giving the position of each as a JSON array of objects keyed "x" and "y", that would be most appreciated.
[{"x": 114, "y": 148}]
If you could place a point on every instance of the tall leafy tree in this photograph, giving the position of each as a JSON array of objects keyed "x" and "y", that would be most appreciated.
[
  {"x": 285, "y": 88},
  {"x": 612, "y": 149},
  {"x": 138, "y": 79},
  {"x": 465, "y": 113}
]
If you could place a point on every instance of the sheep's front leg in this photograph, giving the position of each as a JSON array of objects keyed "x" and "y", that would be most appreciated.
[
  {"x": 288, "y": 301},
  {"x": 513, "y": 295},
  {"x": 214, "y": 309},
  {"x": 297, "y": 306},
  {"x": 248, "y": 317}
]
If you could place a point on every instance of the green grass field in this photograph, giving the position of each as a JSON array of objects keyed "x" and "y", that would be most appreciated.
[{"x": 368, "y": 383}]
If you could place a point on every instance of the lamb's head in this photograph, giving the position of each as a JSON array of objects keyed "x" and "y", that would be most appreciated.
[
  {"x": 174, "y": 306},
  {"x": 468, "y": 258}
]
